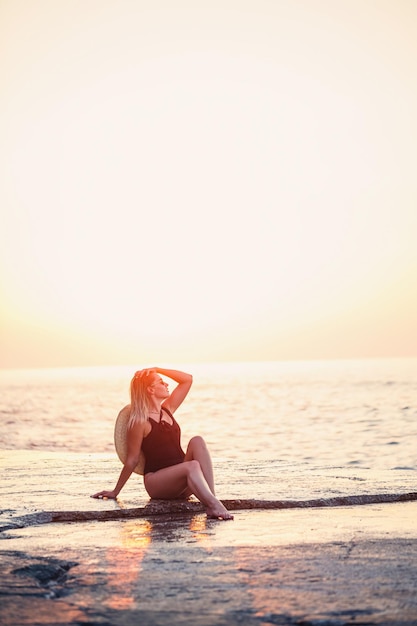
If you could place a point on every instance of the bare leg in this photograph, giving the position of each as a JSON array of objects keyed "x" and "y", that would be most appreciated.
[
  {"x": 198, "y": 451},
  {"x": 172, "y": 482}
]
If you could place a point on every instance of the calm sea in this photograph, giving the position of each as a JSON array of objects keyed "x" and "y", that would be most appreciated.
[{"x": 352, "y": 415}]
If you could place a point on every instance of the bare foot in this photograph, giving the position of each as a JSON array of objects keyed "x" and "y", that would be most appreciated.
[{"x": 219, "y": 512}]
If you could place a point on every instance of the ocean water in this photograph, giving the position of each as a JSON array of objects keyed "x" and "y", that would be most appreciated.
[{"x": 270, "y": 418}]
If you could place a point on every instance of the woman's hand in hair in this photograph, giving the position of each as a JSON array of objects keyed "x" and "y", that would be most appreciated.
[{"x": 147, "y": 371}]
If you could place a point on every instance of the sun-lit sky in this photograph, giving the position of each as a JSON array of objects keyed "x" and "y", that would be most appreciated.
[{"x": 199, "y": 181}]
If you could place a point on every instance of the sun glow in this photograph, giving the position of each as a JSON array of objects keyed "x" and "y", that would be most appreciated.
[{"x": 218, "y": 183}]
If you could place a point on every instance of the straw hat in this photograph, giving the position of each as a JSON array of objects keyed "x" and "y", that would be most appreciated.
[{"x": 120, "y": 436}]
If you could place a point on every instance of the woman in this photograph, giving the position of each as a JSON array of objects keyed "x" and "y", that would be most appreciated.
[{"x": 168, "y": 473}]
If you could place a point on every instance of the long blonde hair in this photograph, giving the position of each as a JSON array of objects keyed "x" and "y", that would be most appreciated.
[{"x": 139, "y": 399}]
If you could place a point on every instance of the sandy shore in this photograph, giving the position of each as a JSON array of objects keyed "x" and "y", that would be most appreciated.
[{"x": 328, "y": 565}]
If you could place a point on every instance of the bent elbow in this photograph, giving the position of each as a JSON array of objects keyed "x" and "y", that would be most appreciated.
[{"x": 131, "y": 462}]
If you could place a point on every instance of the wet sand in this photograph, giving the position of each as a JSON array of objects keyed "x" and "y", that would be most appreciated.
[{"x": 166, "y": 564}]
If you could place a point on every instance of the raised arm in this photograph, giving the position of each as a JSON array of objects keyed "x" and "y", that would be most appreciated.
[
  {"x": 134, "y": 445},
  {"x": 179, "y": 393}
]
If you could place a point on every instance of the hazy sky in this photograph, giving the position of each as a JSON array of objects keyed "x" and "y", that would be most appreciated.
[{"x": 198, "y": 181}]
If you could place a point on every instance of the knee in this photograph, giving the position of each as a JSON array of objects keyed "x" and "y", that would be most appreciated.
[
  {"x": 193, "y": 467},
  {"x": 198, "y": 441}
]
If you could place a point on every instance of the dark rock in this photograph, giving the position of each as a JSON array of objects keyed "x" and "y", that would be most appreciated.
[
  {"x": 45, "y": 573},
  {"x": 156, "y": 508}
]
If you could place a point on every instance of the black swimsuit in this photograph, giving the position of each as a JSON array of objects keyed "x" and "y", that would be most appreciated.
[{"x": 162, "y": 447}]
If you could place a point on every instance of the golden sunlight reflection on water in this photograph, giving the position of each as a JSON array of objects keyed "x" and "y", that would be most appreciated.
[{"x": 124, "y": 561}]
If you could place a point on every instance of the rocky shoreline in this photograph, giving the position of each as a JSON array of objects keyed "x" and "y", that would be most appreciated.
[
  {"x": 330, "y": 560},
  {"x": 178, "y": 570},
  {"x": 167, "y": 507}
]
